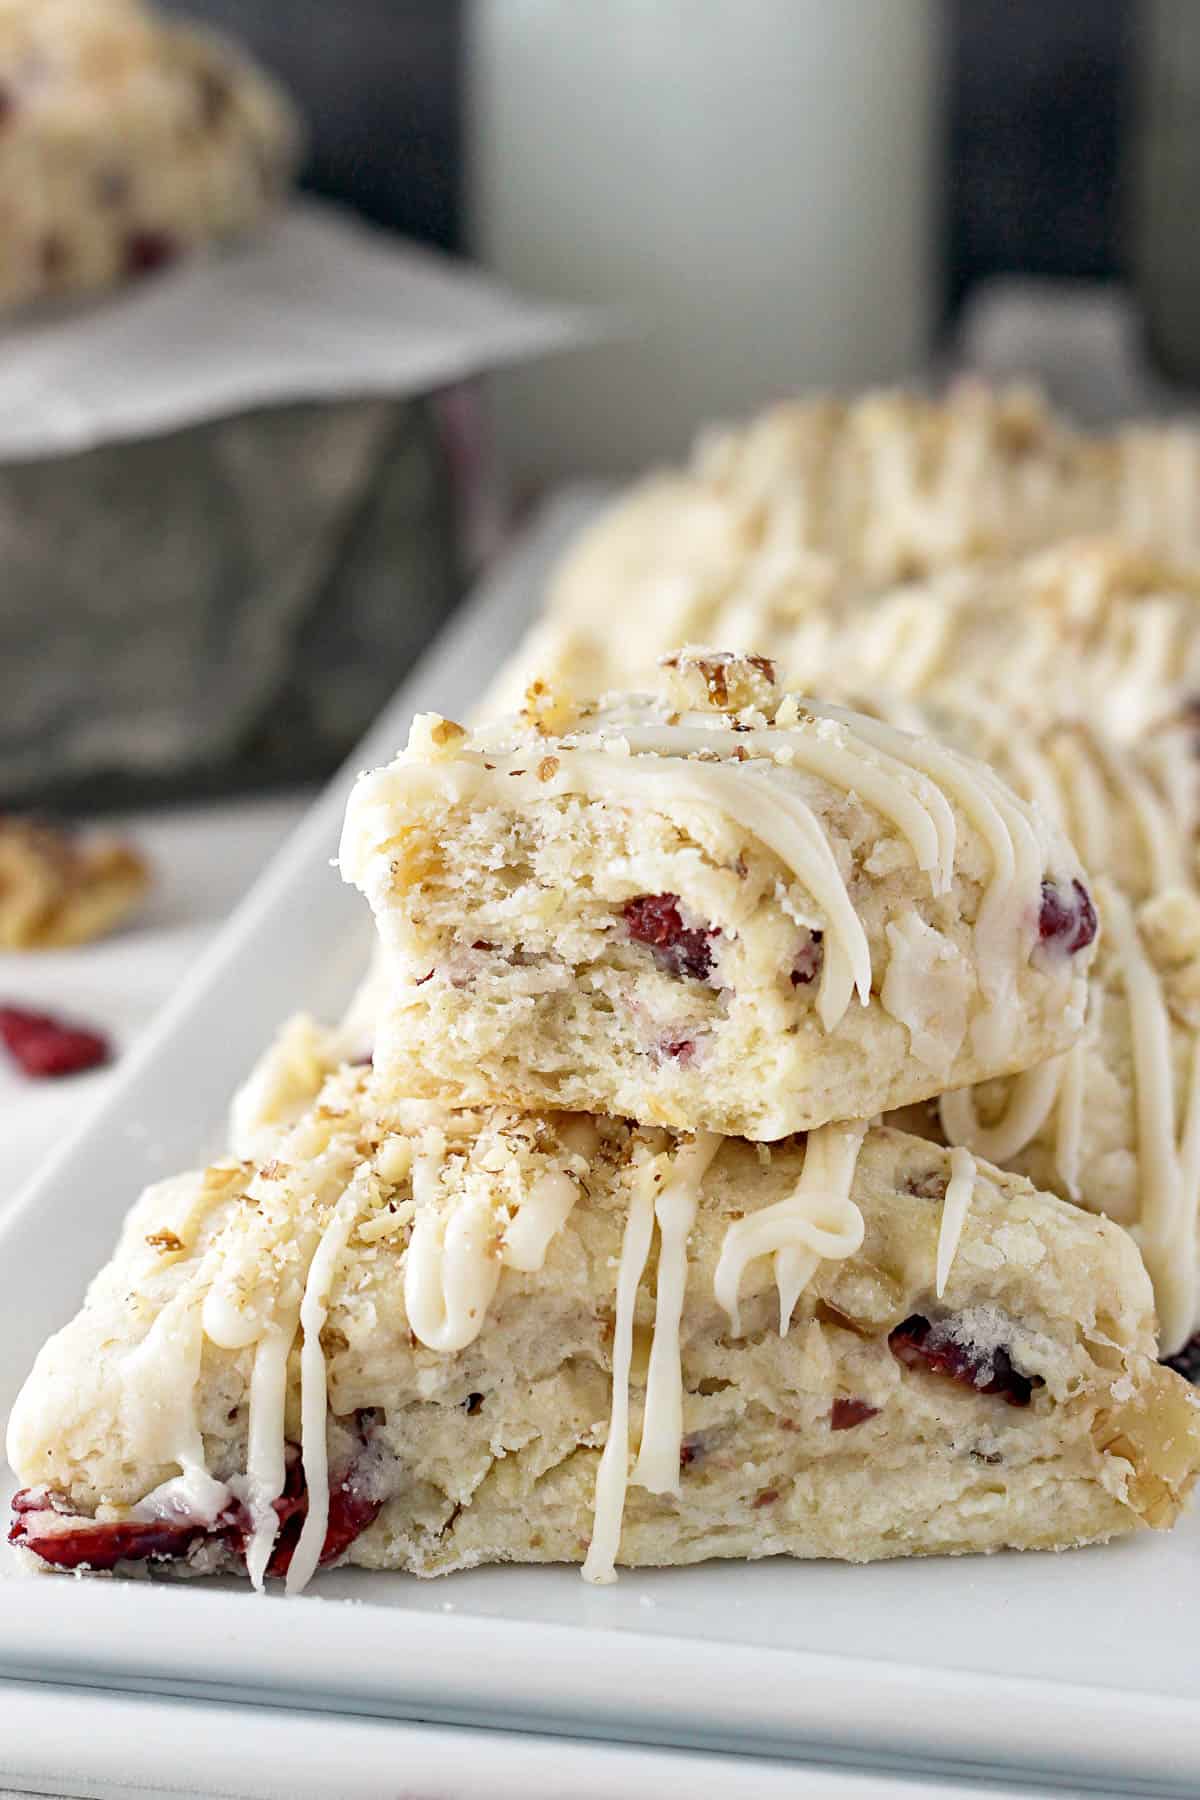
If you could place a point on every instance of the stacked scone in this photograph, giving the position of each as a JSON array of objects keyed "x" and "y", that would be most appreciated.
[{"x": 606, "y": 1255}]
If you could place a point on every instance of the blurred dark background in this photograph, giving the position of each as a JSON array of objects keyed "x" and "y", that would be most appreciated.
[{"x": 1039, "y": 113}]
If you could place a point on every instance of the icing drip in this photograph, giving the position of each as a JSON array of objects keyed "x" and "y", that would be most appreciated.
[
  {"x": 1031, "y": 1098},
  {"x": 657, "y": 1466},
  {"x": 1089, "y": 805},
  {"x": 540, "y": 1217},
  {"x": 954, "y": 1213},
  {"x": 1068, "y": 1144},
  {"x": 915, "y": 806},
  {"x": 1166, "y": 1228},
  {"x": 781, "y": 820},
  {"x": 1017, "y": 866},
  {"x": 818, "y": 1221},
  {"x": 453, "y": 1264},
  {"x": 457, "y": 1250},
  {"x": 612, "y": 1477},
  {"x": 265, "y": 1466},
  {"x": 314, "y": 1384}
]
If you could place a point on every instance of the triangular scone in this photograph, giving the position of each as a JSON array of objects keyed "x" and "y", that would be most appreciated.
[
  {"x": 418, "y": 1340},
  {"x": 722, "y": 909},
  {"x": 1115, "y": 1123},
  {"x": 815, "y": 506}
]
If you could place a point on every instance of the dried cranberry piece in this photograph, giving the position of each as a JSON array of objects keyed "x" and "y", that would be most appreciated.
[
  {"x": 917, "y": 1343},
  {"x": 94, "y": 1543},
  {"x": 350, "y": 1511},
  {"x": 844, "y": 1415},
  {"x": 809, "y": 960},
  {"x": 1067, "y": 919},
  {"x": 655, "y": 920},
  {"x": 85, "y": 1543},
  {"x": 44, "y": 1045},
  {"x": 691, "y": 1449},
  {"x": 1186, "y": 1362},
  {"x": 680, "y": 1050},
  {"x": 147, "y": 251}
]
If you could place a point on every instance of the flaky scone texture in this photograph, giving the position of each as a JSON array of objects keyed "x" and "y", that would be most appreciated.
[
  {"x": 1020, "y": 1405},
  {"x": 125, "y": 140},
  {"x": 816, "y": 505},
  {"x": 722, "y": 909}
]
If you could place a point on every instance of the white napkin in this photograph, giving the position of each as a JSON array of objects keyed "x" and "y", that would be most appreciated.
[{"x": 324, "y": 306}]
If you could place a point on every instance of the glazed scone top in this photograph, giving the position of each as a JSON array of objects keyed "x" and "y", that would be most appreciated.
[
  {"x": 1093, "y": 628},
  {"x": 126, "y": 138},
  {"x": 724, "y": 746},
  {"x": 382, "y": 1235},
  {"x": 775, "y": 528}
]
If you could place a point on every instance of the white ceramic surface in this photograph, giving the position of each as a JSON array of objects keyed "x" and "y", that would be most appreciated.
[{"x": 1083, "y": 1664}]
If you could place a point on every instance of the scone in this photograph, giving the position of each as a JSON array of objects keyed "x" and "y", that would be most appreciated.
[
  {"x": 1115, "y": 1123},
  {"x": 1093, "y": 628},
  {"x": 724, "y": 909},
  {"x": 126, "y": 139},
  {"x": 421, "y": 1340},
  {"x": 821, "y": 503}
]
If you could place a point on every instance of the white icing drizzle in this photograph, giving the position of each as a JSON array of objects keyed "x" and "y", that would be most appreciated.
[
  {"x": 818, "y": 1221},
  {"x": 1161, "y": 837},
  {"x": 1017, "y": 866},
  {"x": 917, "y": 808},
  {"x": 612, "y": 1477},
  {"x": 265, "y": 1460},
  {"x": 1089, "y": 805},
  {"x": 1068, "y": 1141},
  {"x": 456, "y": 1251},
  {"x": 1030, "y": 1098},
  {"x": 193, "y": 1498},
  {"x": 1167, "y": 1223},
  {"x": 453, "y": 1263},
  {"x": 955, "y": 1206},
  {"x": 543, "y": 1212},
  {"x": 314, "y": 1382},
  {"x": 781, "y": 820},
  {"x": 657, "y": 1466}
]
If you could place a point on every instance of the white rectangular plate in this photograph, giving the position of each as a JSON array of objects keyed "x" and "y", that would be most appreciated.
[{"x": 1083, "y": 1664}]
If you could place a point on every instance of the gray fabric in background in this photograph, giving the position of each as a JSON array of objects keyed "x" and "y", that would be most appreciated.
[{"x": 228, "y": 605}]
